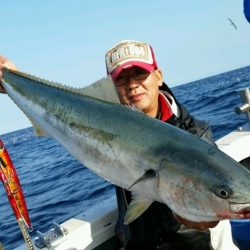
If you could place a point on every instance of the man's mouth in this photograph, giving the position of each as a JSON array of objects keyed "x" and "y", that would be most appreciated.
[{"x": 136, "y": 97}]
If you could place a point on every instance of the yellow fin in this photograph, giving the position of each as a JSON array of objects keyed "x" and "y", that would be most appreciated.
[
  {"x": 136, "y": 208},
  {"x": 38, "y": 130}
]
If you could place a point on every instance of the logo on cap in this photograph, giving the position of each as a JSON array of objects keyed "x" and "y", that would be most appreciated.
[{"x": 127, "y": 51}]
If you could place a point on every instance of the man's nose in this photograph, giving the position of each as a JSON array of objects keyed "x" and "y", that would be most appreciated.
[{"x": 132, "y": 83}]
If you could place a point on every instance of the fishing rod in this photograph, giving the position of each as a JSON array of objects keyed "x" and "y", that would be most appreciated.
[{"x": 15, "y": 194}]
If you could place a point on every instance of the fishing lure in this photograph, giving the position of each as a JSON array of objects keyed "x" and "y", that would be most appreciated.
[{"x": 15, "y": 194}]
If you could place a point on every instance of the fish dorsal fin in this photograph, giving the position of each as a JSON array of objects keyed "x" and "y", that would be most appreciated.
[
  {"x": 136, "y": 208},
  {"x": 103, "y": 89}
]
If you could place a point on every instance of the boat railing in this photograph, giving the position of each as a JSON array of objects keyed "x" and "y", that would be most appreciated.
[{"x": 245, "y": 107}]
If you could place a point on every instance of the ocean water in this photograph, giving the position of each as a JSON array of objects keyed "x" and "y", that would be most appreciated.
[{"x": 57, "y": 187}]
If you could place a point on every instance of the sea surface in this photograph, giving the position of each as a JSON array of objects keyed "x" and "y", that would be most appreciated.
[{"x": 57, "y": 187}]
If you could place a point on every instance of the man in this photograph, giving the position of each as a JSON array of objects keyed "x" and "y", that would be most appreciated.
[{"x": 139, "y": 83}]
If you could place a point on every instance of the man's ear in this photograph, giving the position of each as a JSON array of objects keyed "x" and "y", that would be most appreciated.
[{"x": 159, "y": 76}]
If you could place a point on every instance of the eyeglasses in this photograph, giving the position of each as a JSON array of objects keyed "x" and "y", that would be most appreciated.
[{"x": 137, "y": 74}]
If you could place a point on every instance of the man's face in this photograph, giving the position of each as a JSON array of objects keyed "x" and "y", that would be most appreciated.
[{"x": 140, "y": 88}]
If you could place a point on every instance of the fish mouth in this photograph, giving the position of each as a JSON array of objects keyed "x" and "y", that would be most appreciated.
[
  {"x": 236, "y": 207},
  {"x": 241, "y": 210},
  {"x": 235, "y": 211}
]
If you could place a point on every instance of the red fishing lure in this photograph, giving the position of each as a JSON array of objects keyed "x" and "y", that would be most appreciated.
[{"x": 12, "y": 186}]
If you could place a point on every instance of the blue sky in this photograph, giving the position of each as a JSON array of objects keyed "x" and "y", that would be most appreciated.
[{"x": 65, "y": 41}]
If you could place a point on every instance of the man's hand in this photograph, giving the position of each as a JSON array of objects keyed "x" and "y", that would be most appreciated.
[
  {"x": 4, "y": 62},
  {"x": 203, "y": 225}
]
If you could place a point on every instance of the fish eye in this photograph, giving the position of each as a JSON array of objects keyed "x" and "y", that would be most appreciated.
[{"x": 223, "y": 192}]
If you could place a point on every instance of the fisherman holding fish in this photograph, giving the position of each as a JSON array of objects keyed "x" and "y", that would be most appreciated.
[{"x": 139, "y": 83}]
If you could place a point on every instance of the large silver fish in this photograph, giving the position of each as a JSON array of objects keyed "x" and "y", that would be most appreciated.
[{"x": 156, "y": 161}]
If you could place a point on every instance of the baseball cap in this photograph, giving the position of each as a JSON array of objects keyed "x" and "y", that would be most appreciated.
[{"x": 127, "y": 54}]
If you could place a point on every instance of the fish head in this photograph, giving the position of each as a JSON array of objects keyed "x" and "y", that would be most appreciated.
[
  {"x": 206, "y": 190},
  {"x": 236, "y": 194}
]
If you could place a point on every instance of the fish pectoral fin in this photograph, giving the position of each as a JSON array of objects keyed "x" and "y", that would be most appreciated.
[
  {"x": 150, "y": 173},
  {"x": 104, "y": 90},
  {"x": 136, "y": 208}
]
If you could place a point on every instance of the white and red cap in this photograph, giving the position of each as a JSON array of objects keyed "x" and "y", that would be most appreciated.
[{"x": 127, "y": 54}]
